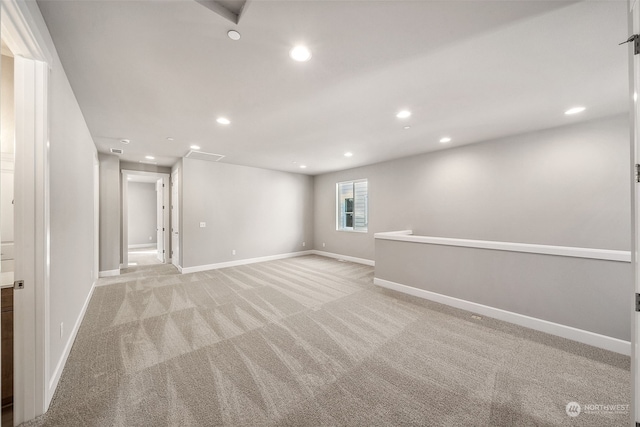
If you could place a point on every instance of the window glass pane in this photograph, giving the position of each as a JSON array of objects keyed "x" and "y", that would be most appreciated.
[
  {"x": 352, "y": 203},
  {"x": 345, "y": 205}
]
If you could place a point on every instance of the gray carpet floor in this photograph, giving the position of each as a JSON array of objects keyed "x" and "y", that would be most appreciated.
[{"x": 310, "y": 341}]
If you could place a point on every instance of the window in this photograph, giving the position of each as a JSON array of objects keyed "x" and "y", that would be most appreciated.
[{"x": 353, "y": 206}]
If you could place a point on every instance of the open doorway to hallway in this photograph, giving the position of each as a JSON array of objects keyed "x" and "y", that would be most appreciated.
[{"x": 145, "y": 218}]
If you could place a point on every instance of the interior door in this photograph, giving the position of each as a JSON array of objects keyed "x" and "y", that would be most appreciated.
[
  {"x": 175, "y": 228},
  {"x": 160, "y": 219},
  {"x": 634, "y": 88}
]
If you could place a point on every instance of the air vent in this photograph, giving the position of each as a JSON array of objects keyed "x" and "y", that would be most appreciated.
[
  {"x": 201, "y": 155},
  {"x": 117, "y": 150}
]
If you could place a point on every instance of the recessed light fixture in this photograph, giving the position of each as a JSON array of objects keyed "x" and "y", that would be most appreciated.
[
  {"x": 149, "y": 157},
  {"x": 348, "y": 154},
  {"x": 445, "y": 139},
  {"x": 195, "y": 147},
  {"x": 233, "y": 35},
  {"x": 574, "y": 110},
  {"x": 223, "y": 120},
  {"x": 303, "y": 166},
  {"x": 125, "y": 141},
  {"x": 169, "y": 138},
  {"x": 406, "y": 127},
  {"x": 300, "y": 54},
  {"x": 403, "y": 114}
]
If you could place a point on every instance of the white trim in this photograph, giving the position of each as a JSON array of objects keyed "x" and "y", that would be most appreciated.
[
  {"x": 198, "y": 268},
  {"x": 344, "y": 257},
  {"x": 21, "y": 34},
  {"x": 580, "y": 335},
  {"x": 143, "y": 245},
  {"x": 55, "y": 377},
  {"x": 568, "y": 251},
  {"x": 109, "y": 273}
]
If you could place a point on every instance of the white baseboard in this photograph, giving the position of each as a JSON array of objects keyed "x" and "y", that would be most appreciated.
[
  {"x": 602, "y": 341},
  {"x": 55, "y": 376},
  {"x": 344, "y": 257},
  {"x": 143, "y": 245},
  {"x": 109, "y": 273},
  {"x": 187, "y": 270}
]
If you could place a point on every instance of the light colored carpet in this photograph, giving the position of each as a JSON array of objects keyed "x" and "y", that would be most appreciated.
[
  {"x": 143, "y": 256},
  {"x": 310, "y": 341}
]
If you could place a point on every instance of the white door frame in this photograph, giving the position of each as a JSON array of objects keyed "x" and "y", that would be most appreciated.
[
  {"x": 175, "y": 219},
  {"x": 32, "y": 392},
  {"x": 125, "y": 210}
]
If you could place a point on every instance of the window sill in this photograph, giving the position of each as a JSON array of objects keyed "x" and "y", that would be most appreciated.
[{"x": 352, "y": 231}]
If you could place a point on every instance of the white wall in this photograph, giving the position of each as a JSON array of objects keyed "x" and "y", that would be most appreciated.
[
  {"x": 142, "y": 210},
  {"x": 256, "y": 212},
  {"x": 567, "y": 186},
  {"x": 72, "y": 153}
]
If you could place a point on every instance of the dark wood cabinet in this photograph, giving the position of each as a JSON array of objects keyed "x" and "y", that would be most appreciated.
[{"x": 6, "y": 322}]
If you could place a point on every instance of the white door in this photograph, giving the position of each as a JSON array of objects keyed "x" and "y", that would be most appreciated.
[
  {"x": 634, "y": 87},
  {"x": 175, "y": 228},
  {"x": 160, "y": 219}
]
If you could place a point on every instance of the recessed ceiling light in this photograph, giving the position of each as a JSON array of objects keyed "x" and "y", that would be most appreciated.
[
  {"x": 125, "y": 141},
  {"x": 223, "y": 120},
  {"x": 303, "y": 166},
  {"x": 406, "y": 127},
  {"x": 574, "y": 110},
  {"x": 445, "y": 139},
  {"x": 149, "y": 157},
  {"x": 233, "y": 35},
  {"x": 348, "y": 154},
  {"x": 195, "y": 147},
  {"x": 403, "y": 114},
  {"x": 169, "y": 138},
  {"x": 300, "y": 54}
]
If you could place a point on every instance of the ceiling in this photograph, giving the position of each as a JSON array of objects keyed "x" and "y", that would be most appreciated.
[{"x": 472, "y": 70}]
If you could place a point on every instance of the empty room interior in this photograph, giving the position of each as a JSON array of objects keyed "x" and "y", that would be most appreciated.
[{"x": 319, "y": 213}]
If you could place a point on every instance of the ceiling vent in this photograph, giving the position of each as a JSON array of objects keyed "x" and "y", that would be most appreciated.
[
  {"x": 201, "y": 155},
  {"x": 117, "y": 150},
  {"x": 228, "y": 9}
]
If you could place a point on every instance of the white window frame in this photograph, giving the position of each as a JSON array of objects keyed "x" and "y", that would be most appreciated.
[{"x": 338, "y": 213}]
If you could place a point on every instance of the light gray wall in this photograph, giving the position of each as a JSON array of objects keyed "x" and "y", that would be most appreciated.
[
  {"x": 567, "y": 186},
  {"x": 588, "y": 294},
  {"x": 72, "y": 153},
  {"x": 257, "y": 212},
  {"x": 142, "y": 207},
  {"x": 110, "y": 212}
]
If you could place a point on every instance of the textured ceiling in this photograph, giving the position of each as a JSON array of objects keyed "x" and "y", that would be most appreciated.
[{"x": 472, "y": 70}]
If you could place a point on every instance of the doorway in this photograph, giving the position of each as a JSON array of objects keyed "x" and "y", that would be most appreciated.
[
  {"x": 145, "y": 218},
  {"x": 7, "y": 253}
]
